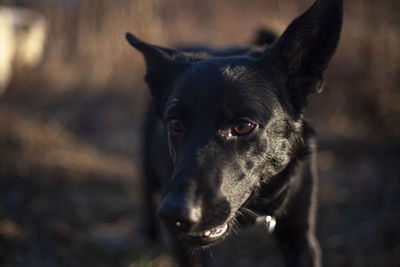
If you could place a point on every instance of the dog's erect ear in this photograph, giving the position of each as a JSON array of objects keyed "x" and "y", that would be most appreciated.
[
  {"x": 163, "y": 65},
  {"x": 303, "y": 51}
]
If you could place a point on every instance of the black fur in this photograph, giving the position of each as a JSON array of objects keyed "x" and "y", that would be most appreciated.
[{"x": 211, "y": 175}]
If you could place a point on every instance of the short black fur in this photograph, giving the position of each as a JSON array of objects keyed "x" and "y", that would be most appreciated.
[{"x": 228, "y": 140}]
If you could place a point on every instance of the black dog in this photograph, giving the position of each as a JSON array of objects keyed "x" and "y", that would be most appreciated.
[{"x": 230, "y": 140}]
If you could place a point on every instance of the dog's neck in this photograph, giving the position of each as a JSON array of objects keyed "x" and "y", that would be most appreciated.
[{"x": 271, "y": 199}]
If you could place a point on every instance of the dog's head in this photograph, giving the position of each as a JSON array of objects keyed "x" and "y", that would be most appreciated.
[{"x": 234, "y": 122}]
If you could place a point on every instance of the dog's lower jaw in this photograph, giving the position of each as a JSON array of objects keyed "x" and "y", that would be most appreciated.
[
  {"x": 215, "y": 232},
  {"x": 205, "y": 239},
  {"x": 209, "y": 237}
]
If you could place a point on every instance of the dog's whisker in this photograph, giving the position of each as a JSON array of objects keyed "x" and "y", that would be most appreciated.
[
  {"x": 249, "y": 211},
  {"x": 208, "y": 251},
  {"x": 268, "y": 201}
]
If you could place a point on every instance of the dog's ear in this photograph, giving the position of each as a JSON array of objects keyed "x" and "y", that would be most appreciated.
[
  {"x": 163, "y": 65},
  {"x": 304, "y": 49}
]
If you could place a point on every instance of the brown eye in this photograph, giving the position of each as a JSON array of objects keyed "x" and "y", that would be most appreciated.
[
  {"x": 243, "y": 127},
  {"x": 176, "y": 125}
]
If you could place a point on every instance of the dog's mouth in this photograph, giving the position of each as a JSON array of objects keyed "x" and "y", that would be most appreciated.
[
  {"x": 205, "y": 238},
  {"x": 214, "y": 235},
  {"x": 215, "y": 232}
]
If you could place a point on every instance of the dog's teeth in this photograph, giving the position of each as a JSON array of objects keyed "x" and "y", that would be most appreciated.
[{"x": 207, "y": 233}]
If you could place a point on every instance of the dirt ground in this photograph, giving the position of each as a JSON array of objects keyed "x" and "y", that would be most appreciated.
[{"x": 70, "y": 192}]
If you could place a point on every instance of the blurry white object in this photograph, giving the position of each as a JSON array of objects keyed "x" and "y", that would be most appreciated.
[{"x": 22, "y": 41}]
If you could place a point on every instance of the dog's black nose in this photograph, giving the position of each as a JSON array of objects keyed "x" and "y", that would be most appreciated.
[{"x": 181, "y": 217}]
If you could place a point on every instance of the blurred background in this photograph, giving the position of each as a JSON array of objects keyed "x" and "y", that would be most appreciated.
[{"x": 72, "y": 100}]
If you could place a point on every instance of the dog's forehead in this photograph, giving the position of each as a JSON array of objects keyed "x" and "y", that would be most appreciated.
[
  {"x": 202, "y": 81},
  {"x": 229, "y": 86}
]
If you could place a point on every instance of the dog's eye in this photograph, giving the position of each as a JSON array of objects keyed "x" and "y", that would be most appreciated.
[
  {"x": 243, "y": 127},
  {"x": 176, "y": 125}
]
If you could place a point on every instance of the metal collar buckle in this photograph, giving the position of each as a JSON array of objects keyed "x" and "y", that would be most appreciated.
[{"x": 269, "y": 221}]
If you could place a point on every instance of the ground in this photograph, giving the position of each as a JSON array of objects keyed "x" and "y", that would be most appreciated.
[{"x": 70, "y": 191}]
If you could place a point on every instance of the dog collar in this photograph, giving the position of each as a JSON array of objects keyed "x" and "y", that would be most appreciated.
[{"x": 269, "y": 222}]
